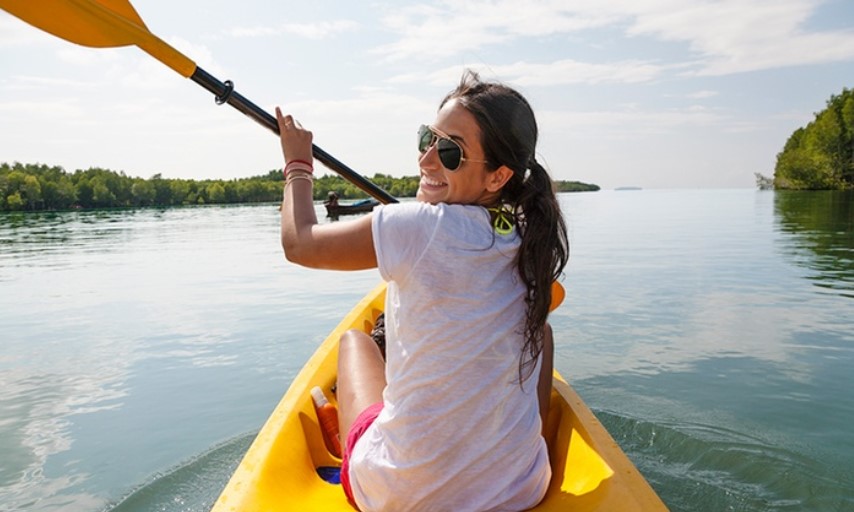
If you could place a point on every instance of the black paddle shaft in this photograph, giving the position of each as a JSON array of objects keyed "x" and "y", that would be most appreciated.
[{"x": 225, "y": 93}]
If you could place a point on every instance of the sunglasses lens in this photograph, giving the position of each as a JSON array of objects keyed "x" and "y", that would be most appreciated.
[
  {"x": 450, "y": 154},
  {"x": 425, "y": 139}
]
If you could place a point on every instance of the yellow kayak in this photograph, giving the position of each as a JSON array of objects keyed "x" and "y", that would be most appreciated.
[{"x": 282, "y": 469}]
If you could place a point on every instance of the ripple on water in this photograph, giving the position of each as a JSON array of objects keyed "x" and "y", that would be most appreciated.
[
  {"x": 702, "y": 467},
  {"x": 192, "y": 486}
]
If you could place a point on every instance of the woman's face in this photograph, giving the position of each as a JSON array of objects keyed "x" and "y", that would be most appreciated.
[{"x": 470, "y": 183}]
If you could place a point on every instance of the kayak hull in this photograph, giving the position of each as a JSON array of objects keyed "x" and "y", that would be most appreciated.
[{"x": 280, "y": 470}]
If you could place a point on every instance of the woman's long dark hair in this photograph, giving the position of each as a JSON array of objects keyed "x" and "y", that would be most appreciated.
[{"x": 509, "y": 137}]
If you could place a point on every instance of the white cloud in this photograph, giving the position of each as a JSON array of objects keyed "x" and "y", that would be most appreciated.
[
  {"x": 57, "y": 109},
  {"x": 133, "y": 68},
  {"x": 561, "y": 72},
  {"x": 629, "y": 120},
  {"x": 14, "y": 32},
  {"x": 361, "y": 110},
  {"x": 81, "y": 56},
  {"x": 728, "y": 36},
  {"x": 31, "y": 83},
  {"x": 317, "y": 30},
  {"x": 699, "y": 95},
  {"x": 257, "y": 31},
  {"x": 734, "y": 36},
  {"x": 199, "y": 53},
  {"x": 446, "y": 28},
  {"x": 570, "y": 71}
]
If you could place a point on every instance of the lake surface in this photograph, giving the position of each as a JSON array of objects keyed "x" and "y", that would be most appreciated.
[{"x": 712, "y": 332}]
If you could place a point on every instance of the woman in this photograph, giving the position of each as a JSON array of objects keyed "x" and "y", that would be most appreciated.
[{"x": 452, "y": 420}]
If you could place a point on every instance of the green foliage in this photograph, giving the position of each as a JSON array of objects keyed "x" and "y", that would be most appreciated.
[
  {"x": 820, "y": 156},
  {"x": 31, "y": 187}
]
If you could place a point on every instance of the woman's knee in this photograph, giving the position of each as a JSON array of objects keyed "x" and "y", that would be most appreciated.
[{"x": 355, "y": 341}]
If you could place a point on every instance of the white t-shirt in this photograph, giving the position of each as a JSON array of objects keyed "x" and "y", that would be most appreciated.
[{"x": 457, "y": 431}]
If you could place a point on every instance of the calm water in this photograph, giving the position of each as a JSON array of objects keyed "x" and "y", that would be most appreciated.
[{"x": 711, "y": 331}]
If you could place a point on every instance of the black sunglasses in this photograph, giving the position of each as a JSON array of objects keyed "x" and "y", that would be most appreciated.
[{"x": 450, "y": 153}]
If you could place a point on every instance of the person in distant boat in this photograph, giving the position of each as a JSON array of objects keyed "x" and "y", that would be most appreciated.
[
  {"x": 453, "y": 418},
  {"x": 331, "y": 199}
]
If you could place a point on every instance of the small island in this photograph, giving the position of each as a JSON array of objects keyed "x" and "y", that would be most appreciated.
[{"x": 575, "y": 186}]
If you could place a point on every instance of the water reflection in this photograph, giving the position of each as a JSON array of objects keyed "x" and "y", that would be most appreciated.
[
  {"x": 36, "y": 425},
  {"x": 54, "y": 239},
  {"x": 659, "y": 280},
  {"x": 134, "y": 339},
  {"x": 820, "y": 226}
]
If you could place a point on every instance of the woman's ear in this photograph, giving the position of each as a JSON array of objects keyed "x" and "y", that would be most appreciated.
[{"x": 498, "y": 178}]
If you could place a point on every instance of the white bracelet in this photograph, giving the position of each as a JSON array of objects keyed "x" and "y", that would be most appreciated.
[{"x": 294, "y": 175}]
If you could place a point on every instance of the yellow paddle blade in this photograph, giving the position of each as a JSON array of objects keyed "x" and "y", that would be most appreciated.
[
  {"x": 558, "y": 294},
  {"x": 78, "y": 22},
  {"x": 98, "y": 24}
]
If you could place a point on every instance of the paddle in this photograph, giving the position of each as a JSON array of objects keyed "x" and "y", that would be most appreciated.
[{"x": 115, "y": 23}]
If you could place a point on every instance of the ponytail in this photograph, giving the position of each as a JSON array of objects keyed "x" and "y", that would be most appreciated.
[{"x": 543, "y": 254}]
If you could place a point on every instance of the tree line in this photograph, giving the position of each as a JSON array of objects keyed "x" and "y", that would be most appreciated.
[
  {"x": 34, "y": 187},
  {"x": 820, "y": 155},
  {"x": 31, "y": 187}
]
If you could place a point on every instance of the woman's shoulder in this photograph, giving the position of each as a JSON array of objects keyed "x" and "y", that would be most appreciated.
[
  {"x": 450, "y": 220},
  {"x": 409, "y": 211},
  {"x": 438, "y": 209}
]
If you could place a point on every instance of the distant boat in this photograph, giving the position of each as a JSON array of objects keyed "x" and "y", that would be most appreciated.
[
  {"x": 335, "y": 209},
  {"x": 628, "y": 188}
]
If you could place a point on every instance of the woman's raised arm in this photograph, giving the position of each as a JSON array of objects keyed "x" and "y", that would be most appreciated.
[{"x": 337, "y": 246}]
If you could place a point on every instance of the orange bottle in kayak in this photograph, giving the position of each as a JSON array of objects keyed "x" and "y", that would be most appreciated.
[{"x": 327, "y": 416}]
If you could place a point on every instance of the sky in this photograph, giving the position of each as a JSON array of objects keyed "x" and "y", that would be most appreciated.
[{"x": 641, "y": 93}]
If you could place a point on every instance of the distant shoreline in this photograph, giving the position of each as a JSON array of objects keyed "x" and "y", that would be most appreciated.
[{"x": 39, "y": 187}]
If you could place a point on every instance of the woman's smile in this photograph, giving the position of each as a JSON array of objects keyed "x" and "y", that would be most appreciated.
[{"x": 431, "y": 182}]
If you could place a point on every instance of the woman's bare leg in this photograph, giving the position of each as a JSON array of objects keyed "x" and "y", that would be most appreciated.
[{"x": 361, "y": 377}]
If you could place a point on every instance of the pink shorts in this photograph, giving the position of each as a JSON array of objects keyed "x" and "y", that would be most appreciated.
[{"x": 357, "y": 429}]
